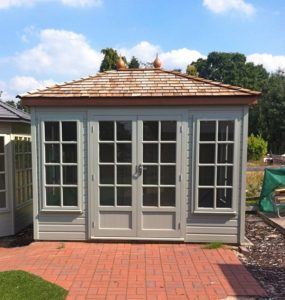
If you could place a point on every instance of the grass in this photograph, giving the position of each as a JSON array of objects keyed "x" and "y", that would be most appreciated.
[
  {"x": 20, "y": 285},
  {"x": 214, "y": 245}
]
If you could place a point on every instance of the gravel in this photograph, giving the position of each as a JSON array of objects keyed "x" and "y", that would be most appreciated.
[{"x": 266, "y": 258}]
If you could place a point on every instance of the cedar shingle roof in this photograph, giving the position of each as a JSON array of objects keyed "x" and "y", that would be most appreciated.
[{"x": 140, "y": 83}]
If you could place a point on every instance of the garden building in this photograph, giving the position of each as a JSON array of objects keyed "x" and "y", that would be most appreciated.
[{"x": 140, "y": 154}]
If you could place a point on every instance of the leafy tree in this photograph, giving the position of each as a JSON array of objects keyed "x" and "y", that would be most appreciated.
[
  {"x": 257, "y": 147},
  {"x": 191, "y": 70},
  {"x": 18, "y": 105},
  {"x": 134, "y": 63},
  {"x": 110, "y": 59}
]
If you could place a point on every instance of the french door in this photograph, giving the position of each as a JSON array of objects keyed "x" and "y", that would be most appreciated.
[{"x": 135, "y": 181}]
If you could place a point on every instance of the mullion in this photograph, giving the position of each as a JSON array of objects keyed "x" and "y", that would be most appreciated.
[
  {"x": 216, "y": 161},
  {"x": 115, "y": 164}
]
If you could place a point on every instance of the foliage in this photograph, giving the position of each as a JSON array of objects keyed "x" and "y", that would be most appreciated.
[
  {"x": 134, "y": 63},
  {"x": 18, "y": 105},
  {"x": 191, "y": 70},
  {"x": 254, "y": 182},
  {"x": 257, "y": 147},
  {"x": 110, "y": 59},
  {"x": 213, "y": 245},
  {"x": 20, "y": 285}
]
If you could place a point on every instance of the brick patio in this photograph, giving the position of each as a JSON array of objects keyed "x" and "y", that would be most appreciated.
[{"x": 134, "y": 271}]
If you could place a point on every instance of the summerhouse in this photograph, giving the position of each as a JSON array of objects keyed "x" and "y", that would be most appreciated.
[
  {"x": 16, "y": 210},
  {"x": 140, "y": 154}
]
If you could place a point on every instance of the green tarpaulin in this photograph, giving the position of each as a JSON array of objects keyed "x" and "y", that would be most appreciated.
[{"x": 273, "y": 179}]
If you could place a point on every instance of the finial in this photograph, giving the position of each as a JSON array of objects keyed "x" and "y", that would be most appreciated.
[
  {"x": 157, "y": 62},
  {"x": 120, "y": 63}
]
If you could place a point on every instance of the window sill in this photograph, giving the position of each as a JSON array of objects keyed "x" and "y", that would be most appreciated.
[
  {"x": 215, "y": 212},
  {"x": 58, "y": 210},
  {"x": 4, "y": 210}
]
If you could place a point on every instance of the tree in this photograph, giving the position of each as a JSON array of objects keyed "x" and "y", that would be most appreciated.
[
  {"x": 257, "y": 147},
  {"x": 134, "y": 63},
  {"x": 110, "y": 59},
  {"x": 191, "y": 70},
  {"x": 18, "y": 105}
]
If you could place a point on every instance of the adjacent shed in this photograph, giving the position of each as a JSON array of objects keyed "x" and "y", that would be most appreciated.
[
  {"x": 142, "y": 154},
  {"x": 15, "y": 170}
]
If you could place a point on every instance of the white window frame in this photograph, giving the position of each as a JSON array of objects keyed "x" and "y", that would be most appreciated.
[
  {"x": 235, "y": 165},
  {"x": 62, "y": 117},
  {"x": 6, "y": 208}
]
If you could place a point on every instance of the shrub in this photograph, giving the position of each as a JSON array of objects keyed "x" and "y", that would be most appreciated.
[
  {"x": 257, "y": 147},
  {"x": 253, "y": 184}
]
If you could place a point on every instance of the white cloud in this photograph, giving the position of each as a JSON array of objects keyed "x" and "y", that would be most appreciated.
[
  {"x": 82, "y": 3},
  {"x": 271, "y": 63},
  {"x": 222, "y": 6},
  {"x": 8, "y": 3}
]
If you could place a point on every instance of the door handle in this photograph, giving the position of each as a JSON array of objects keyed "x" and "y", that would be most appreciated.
[{"x": 139, "y": 169}]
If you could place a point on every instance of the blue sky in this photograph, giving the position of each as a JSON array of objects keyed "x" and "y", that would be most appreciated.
[{"x": 47, "y": 41}]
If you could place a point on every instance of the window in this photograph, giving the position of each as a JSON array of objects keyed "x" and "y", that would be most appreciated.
[
  {"x": 3, "y": 203},
  {"x": 215, "y": 165},
  {"x": 23, "y": 170},
  {"x": 61, "y": 164}
]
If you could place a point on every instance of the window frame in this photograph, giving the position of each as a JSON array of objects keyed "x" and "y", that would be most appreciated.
[
  {"x": 6, "y": 208},
  {"x": 62, "y": 118},
  {"x": 234, "y": 165}
]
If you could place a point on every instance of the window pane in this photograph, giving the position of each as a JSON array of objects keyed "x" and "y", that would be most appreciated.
[
  {"x": 53, "y": 196},
  {"x": 226, "y": 130},
  {"x": 2, "y": 199},
  {"x": 69, "y": 153},
  {"x": 2, "y": 163},
  {"x": 124, "y": 174},
  {"x": 206, "y": 175},
  {"x": 167, "y": 196},
  {"x": 225, "y": 176},
  {"x": 150, "y": 196},
  {"x": 168, "y": 130},
  {"x": 124, "y": 130},
  {"x": 124, "y": 152},
  {"x": 1, "y": 144},
  {"x": 206, "y": 198},
  {"x": 107, "y": 196},
  {"x": 69, "y": 131},
  {"x": 124, "y": 196},
  {"x": 207, "y": 153},
  {"x": 69, "y": 174},
  {"x": 107, "y": 174},
  {"x": 150, "y": 131},
  {"x": 150, "y": 153},
  {"x": 224, "y": 198},
  {"x": 150, "y": 174},
  {"x": 106, "y": 152},
  {"x": 106, "y": 130},
  {"x": 168, "y": 153},
  {"x": 225, "y": 153},
  {"x": 2, "y": 181},
  {"x": 52, "y": 131},
  {"x": 52, "y": 153},
  {"x": 207, "y": 130},
  {"x": 167, "y": 175},
  {"x": 52, "y": 175},
  {"x": 70, "y": 196}
]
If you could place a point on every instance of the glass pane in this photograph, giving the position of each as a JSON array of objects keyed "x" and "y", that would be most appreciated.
[
  {"x": 225, "y": 153},
  {"x": 225, "y": 176},
  {"x": 106, "y": 152},
  {"x": 206, "y": 198},
  {"x": 168, "y": 153},
  {"x": 2, "y": 199},
  {"x": 168, "y": 130},
  {"x": 207, "y": 153},
  {"x": 106, "y": 130},
  {"x": 2, "y": 163},
  {"x": 206, "y": 175},
  {"x": 150, "y": 153},
  {"x": 69, "y": 174},
  {"x": 69, "y": 131},
  {"x": 69, "y": 153},
  {"x": 226, "y": 130},
  {"x": 167, "y": 196},
  {"x": 224, "y": 198},
  {"x": 150, "y": 174},
  {"x": 124, "y": 174},
  {"x": 150, "y": 196},
  {"x": 107, "y": 196},
  {"x": 150, "y": 131},
  {"x": 124, "y": 196},
  {"x": 124, "y": 152},
  {"x": 1, "y": 144},
  {"x": 124, "y": 130},
  {"x": 52, "y": 153},
  {"x": 70, "y": 196},
  {"x": 52, "y": 131},
  {"x": 53, "y": 196},
  {"x": 52, "y": 175},
  {"x": 2, "y": 181},
  {"x": 207, "y": 130},
  {"x": 167, "y": 175},
  {"x": 107, "y": 174}
]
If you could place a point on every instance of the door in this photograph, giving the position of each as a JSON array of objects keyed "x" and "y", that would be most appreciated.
[{"x": 135, "y": 171}]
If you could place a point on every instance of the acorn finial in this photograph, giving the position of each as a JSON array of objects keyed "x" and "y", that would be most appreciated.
[
  {"x": 157, "y": 62},
  {"x": 120, "y": 63}
]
